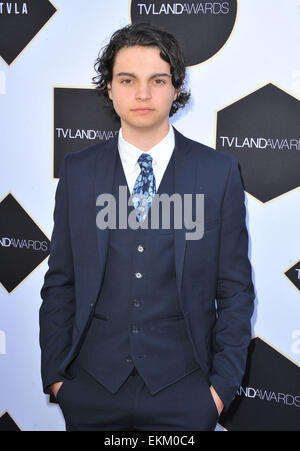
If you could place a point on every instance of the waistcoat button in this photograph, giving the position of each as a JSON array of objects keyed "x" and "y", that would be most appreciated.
[{"x": 135, "y": 329}]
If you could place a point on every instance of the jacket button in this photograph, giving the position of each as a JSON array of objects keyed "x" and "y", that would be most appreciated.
[
  {"x": 135, "y": 329},
  {"x": 138, "y": 275},
  {"x": 141, "y": 356},
  {"x": 136, "y": 303},
  {"x": 140, "y": 248}
]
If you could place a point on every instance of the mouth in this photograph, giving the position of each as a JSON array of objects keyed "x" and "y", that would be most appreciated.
[{"x": 142, "y": 110}]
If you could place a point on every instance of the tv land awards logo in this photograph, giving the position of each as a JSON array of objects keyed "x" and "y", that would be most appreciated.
[
  {"x": 262, "y": 131},
  {"x": 81, "y": 119},
  {"x": 23, "y": 246},
  {"x": 260, "y": 143},
  {"x": 269, "y": 396},
  {"x": 20, "y": 21},
  {"x": 23, "y": 243},
  {"x": 201, "y": 27}
]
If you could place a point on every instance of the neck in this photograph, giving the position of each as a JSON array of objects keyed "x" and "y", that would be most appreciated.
[{"x": 143, "y": 138}]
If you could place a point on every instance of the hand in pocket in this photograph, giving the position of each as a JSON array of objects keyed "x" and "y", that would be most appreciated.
[{"x": 56, "y": 387}]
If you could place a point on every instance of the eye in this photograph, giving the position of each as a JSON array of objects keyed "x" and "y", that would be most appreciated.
[
  {"x": 159, "y": 81},
  {"x": 126, "y": 81}
]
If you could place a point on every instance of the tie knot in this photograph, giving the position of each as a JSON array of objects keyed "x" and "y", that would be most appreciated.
[{"x": 145, "y": 162}]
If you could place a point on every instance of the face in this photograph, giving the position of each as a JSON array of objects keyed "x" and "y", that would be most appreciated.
[{"x": 141, "y": 89}]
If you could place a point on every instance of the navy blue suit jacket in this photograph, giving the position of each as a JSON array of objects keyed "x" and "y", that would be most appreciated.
[{"x": 213, "y": 274}]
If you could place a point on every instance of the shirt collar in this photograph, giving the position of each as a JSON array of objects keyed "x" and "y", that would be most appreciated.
[{"x": 160, "y": 153}]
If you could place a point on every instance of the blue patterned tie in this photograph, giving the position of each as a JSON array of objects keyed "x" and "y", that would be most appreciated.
[{"x": 144, "y": 188}]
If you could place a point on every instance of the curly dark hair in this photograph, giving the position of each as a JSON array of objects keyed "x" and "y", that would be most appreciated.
[{"x": 142, "y": 34}]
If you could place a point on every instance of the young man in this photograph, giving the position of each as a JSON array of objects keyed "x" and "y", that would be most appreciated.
[{"x": 142, "y": 329}]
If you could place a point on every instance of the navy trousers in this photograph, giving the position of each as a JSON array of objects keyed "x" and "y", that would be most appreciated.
[{"x": 185, "y": 405}]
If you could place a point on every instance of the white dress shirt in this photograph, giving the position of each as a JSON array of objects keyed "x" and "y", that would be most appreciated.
[{"x": 160, "y": 153}]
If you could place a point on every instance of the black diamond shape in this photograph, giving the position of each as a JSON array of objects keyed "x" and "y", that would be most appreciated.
[
  {"x": 20, "y": 21},
  {"x": 269, "y": 398},
  {"x": 23, "y": 246},
  {"x": 293, "y": 274},
  {"x": 7, "y": 423},
  {"x": 262, "y": 131}
]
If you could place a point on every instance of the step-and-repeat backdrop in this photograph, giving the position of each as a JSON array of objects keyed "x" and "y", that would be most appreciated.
[{"x": 243, "y": 70}]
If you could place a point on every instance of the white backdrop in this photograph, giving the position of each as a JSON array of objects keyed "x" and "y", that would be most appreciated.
[{"x": 264, "y": 47}]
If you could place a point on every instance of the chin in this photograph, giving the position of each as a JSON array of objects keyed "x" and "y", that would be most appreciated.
[{"x": 142, "y": 122}]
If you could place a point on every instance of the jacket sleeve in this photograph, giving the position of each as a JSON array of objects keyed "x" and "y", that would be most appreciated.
[
  {"x": 235, "y": 293},
  {"x": 58, "y": 294}
]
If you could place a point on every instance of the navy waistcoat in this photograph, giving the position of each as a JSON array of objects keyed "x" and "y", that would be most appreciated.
[{"x": 137, "y": 319}]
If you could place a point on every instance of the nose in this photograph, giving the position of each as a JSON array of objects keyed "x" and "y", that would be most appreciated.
[{"x": 143, "y": 92}]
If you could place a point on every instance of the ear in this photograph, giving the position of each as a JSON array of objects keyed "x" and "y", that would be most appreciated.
[
  {"x": 109, "y": 90},
  {"x": 177, "y": 94}
]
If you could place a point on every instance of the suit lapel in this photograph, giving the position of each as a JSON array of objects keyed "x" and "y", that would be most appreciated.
[
  {"x": 104, "y": 173},
  {"x": 185, "y": 180}
]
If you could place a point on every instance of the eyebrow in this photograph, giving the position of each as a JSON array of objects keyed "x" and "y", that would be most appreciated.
[{"x": 129, "y": 74}]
